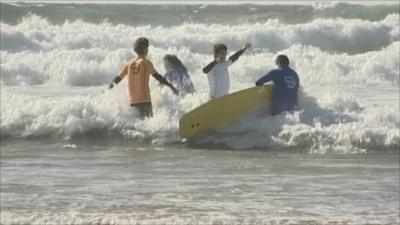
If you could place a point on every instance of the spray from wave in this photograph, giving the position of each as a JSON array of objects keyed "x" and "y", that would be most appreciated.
[
  {"x": 83, "y": 54},
  {"x": 176, "y": 14},
  {"x": 53, "y": 75}
]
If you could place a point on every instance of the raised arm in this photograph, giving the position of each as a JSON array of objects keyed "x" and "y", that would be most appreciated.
[
  {"x": 266, "y": 78},
  {"x": 209, "y": 67},
  {"x": 236, "y": 56},
  {"x": 118, "y": 78}
]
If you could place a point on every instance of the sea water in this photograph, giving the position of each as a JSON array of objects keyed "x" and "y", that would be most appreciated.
[{"x": 74, "y": 153}]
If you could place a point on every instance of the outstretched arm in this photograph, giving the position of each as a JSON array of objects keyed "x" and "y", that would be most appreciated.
[
  {"x": 118, "y": 78},
  {"x": 209, "y": 67},
  {"x": 236, "y": 56},
  {"x": 115, "y": 81},
  {"x": 160, "y": 78},
  {"x": 163, "y": 81},
  {"x": 268, "y": 77}
]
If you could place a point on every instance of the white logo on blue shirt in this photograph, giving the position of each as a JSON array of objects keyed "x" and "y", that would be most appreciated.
[{"x": 290, "y": 82}]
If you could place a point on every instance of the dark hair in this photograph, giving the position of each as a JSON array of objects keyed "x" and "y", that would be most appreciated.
[
  {"x": 282, "y": 60},
  {"x": 218, "y": 47},
  {"x": 140, "y": 45},
  {"x": 175, "y": 62}
]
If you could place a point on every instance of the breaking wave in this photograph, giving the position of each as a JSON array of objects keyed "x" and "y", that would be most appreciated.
[{"x": 54, "y": 69}]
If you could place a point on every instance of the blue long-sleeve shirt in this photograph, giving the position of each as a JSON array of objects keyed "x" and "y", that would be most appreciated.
[
  {"x": 181, "y": 79},
  {"x": 286, "y": 86}
]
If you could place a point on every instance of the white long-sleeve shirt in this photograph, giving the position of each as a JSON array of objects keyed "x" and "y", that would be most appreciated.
[
  {"x": 218, "y": 75},
  {"x": 219, "y": 80}
]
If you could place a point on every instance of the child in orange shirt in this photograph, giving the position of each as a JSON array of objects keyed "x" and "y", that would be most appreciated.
[{"x": 138, "y": 71}]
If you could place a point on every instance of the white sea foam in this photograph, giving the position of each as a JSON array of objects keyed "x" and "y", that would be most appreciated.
[
  {"x": 52, "y": 77},
  {"x": 83, "y": 54},
  {"x": 336, "y": 35},
  {"x": 336, "y": 124},
  {"x": 69, "y": 143}
]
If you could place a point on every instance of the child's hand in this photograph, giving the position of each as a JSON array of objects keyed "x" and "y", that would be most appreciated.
[{"x": 247, "y": 45}]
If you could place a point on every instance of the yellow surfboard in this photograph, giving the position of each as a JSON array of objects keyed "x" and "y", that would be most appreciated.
[{"x": 223, "y": 111}]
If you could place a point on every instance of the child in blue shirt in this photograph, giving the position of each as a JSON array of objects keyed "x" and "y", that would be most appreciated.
[
  {"x": 286, "y": 85},
  {"x": 177, "y": 74}
]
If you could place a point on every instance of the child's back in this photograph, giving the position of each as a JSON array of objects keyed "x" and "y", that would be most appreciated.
[
  {"x": 181, "y": 79},
  {"x": 138, "y": 71},
  {"x": 219, "y": 80},
  {"x": 178, "y": 75}
]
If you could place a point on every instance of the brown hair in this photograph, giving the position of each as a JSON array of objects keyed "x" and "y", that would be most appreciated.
[
  {"x": 140, "y": 45},
  {"x": 175, "y": 62},
  {"x": 282, "y": 60},
  {"x": 218, "y": 47}
]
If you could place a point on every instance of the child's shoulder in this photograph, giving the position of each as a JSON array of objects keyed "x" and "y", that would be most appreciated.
[
  {"x": 146, "y": 61},
  {"x": 134, "y": 60},
  {"x": 140, "y": 61}
]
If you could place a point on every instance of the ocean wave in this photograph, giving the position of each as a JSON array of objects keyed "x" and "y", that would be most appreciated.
[
  {"x": 176, "y": 14},
  {"x": 16, "y": 41},
  {"x": 341, "y": 35},
  {"x": 44, "y": 64},
  {"x": 84, "y": 67},
  {"x": 96, "y": 67},
  {"x": 338, "y": 124},
  {"x": 82, "y": 54}
]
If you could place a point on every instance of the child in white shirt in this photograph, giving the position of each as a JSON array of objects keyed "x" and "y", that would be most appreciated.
[{"x": 217, "y": 70}]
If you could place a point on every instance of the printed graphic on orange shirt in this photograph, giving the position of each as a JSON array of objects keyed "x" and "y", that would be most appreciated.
[{"x": 135, "y": 68}]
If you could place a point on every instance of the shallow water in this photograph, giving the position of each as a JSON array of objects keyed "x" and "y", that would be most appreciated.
[
  {"x": 126, "y": 183},
  {"x": 72, "y": 153}
]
